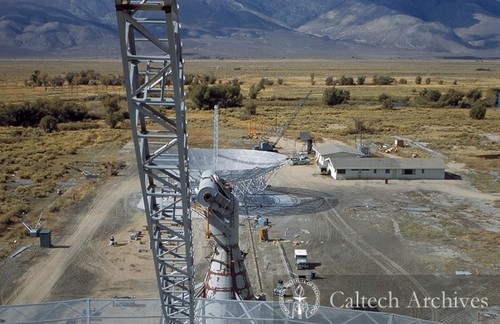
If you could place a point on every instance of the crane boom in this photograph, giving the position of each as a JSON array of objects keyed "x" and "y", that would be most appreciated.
[
  {"x": 285, "y": 127},
  {"x": 154, "y": 80}
]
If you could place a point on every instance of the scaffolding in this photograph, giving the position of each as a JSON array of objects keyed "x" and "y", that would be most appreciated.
[
  {"x": 153, "y": 69},
  {"x": 149, "y": 311}
]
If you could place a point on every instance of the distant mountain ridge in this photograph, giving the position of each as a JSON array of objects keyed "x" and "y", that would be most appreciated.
[{"x": 263, "y": 28}]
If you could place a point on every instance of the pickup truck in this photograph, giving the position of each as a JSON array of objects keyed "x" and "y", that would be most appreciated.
[{"x": 300, "y": 160}]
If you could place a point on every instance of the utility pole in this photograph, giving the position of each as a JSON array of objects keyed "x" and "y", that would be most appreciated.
[{"x": 216, "y": 136}]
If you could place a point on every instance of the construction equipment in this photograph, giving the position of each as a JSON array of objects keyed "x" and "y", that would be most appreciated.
[
  {"x": 271, "y": 147},
  {"x": 266, "y": 146},
  {"x": 285, "y": 127}
]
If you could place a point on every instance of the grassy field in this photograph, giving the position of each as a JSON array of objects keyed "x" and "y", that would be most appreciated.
[{"x": 35, "y": 165}]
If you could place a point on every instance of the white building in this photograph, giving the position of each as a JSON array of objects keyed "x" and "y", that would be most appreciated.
[
  {"x": 325, "y": 154},
  {"x": 344, "y": 162}
]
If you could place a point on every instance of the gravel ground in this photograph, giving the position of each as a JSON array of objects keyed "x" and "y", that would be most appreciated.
[{"x": 409, "y": 237}]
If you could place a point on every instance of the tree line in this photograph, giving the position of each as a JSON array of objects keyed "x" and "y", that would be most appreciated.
[
  {"x": 376, "y": 80},
  {"x": 29, "y": 114},
  {"x": 48, "y": 113},
  {"x": 84, "y": 77},
  {"x": 475, "y": 100},
  {"x": 206, "y": 90}
]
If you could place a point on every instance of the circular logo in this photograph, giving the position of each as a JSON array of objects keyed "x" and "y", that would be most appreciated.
[{"x": 299, "y": 306}]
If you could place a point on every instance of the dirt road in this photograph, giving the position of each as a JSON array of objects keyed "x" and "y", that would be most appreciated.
[
  {"x": 356, "y": 232},
  {"x": 83, "y": 245}
]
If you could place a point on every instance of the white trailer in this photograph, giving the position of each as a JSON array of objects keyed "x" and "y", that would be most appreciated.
[{"x": 301, "y": 259}]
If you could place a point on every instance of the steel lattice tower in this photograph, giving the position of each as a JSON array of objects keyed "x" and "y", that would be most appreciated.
[{"x": 153, "y": 70}]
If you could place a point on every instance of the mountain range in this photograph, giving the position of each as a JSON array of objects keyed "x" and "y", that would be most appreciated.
[{"x": 263, "y": 28}]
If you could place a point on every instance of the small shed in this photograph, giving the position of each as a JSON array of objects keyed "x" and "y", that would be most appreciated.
[
  {"x": 45, "y": 239},
  {"x": 305, "y": 136},
  {"x": 398, "y": 142}
]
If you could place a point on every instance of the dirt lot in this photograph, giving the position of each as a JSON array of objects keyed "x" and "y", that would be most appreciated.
[
  {"x": 406, "y": 236},
  {"x": 358, "y": 232}
]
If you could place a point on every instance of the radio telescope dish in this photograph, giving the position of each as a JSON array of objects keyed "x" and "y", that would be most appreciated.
[{"x": 247, "y": 170}]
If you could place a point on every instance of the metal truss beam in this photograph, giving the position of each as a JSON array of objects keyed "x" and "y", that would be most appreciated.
[{"x": 154, "y": 79}]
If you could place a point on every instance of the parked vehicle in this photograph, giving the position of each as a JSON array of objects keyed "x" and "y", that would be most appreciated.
[
  {"x": 300, "y": 160},
  {"x": 301, "y": 259}
]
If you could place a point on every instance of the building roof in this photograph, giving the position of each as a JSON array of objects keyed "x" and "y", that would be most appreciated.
[
  {"x": 331, "y": 149},
  {"x": 388, "y": 163}
]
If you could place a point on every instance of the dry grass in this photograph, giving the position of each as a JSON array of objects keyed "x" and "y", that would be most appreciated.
[
  {"x": 34, "y": 165},
  {"x": 15, "y": 72},
  {"x": 485, "y": 181},
  {"x": 491, "y": 239},
  {"x": 416, "y": 230}
]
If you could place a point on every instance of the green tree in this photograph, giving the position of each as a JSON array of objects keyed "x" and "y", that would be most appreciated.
[
  {"x": 492, "y": 96},
  {"x": 48, "y": 124},
  {"x": 197, "y": 94},
  {"x": 70, "y": 78},
  {"x": 35, "y": 78},
  {"x": 388, "y": 104},
  {"x": 361, "y": 80},
  {"x": 209, "y": 78},
  {"x": 346, "y": 80},
  {"x": 383, "y": 96},
  {"x": 431, "y": 95},
  {"x": 251, "y": 108},
  {"x": 265, "y": 82},
  {"x": 451, "y": 98},
  {"x": 56, "y": 81},
  {"x": 478, "y": 111},
  {"x": 254, "y": 90},
  {"x": 333, "y": 96},
  {"x": 231, "y": 95},
  {"x": 418, "y": 79},
  {"x": 473, "y": 95},
  {"x": 112, "y": 111},
  {"x": 383, "y": 80},
  {"x": 224, "y": 95}
]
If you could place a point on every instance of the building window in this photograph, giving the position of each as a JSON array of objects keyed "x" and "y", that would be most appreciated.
[
  {"x": 374, "y": 170},
  {"x": 423, "y": 170},
  {"x": 387, "y": 171},
  {"x": 341, "y": 171},
  {"x": 408, "y": 171}
]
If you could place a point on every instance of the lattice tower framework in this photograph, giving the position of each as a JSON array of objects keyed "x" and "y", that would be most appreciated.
[{"x": 153, "y": 70}]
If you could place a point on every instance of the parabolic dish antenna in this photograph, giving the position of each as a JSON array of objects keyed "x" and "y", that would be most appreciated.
[{"x": 247, "y": 170}]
